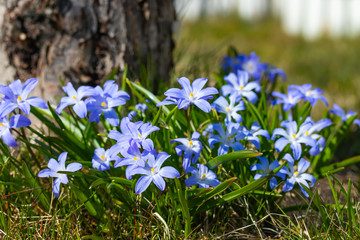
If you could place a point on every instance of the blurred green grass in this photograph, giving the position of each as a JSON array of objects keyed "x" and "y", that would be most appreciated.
[{"x": 329, "y": 64}]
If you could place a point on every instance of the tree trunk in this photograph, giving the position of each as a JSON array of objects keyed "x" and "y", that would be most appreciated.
[{"x": 82, "y": 41}]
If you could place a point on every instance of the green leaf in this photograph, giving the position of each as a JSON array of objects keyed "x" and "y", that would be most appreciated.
[
  {"x": 44, "y": 200},
  {"x": 185, "y": 208},
  {"x": 231, "y": 156},
  {"x": 344, "y": 163},
  {"x": 253, "y": 110},
  {"x": 235, "y": 194},
  {"x": 157, "y": 117},
  {"x": 202, "y": 197},
  {"x": 111, "y": 179},
  {"x": 86, "y": 200}
]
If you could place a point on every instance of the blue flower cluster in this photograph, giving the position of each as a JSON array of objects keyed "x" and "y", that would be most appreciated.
[
  {"x": 294, "y": 139},
  {"x": 252, "y": 65},
  {"x": 16, "y": 96}
]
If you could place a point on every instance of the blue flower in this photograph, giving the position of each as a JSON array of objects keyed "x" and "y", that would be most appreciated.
[
  {"x": 153, "y": 172},
  {"x": 293, "y": 137},
  {"x": 337, "y": 110},
  {"x": 190, "y": 94},
  {"x": 251, "y": 65},
  {"x": 131, "y": 115},
  {"x": 141, "y": 107},
  {"x": 209, "y": 129},
  {"x": 201, "y": 176},
  {"x": 297, "y": 176},
  {"x": 18, "y": 95},
  {"x": 101, "y": 159},
  {"x": 190, "y": 148},
  {"x": 316, "y": 127},
  {"x": 54, "y": 167},
  {"x": 227, "y": 138},
  {"x": 289, "y": 101},
  {"x": 133, "y": 133},
  {"x": 221, "y": 105},
  {"x": 133, "y": 158},
  {"x": 266, "y": 170},
  {"x": 238, "y": 86},
  {"x": 75, "y": 97},
  {"x": 311, "y": 95},
  {"x": 274, "y": 72},
  {"x": 16, "y": 121},
  {"x": 232, "y": 64},
  {"x": 253, "y": 134},
  {"x": 103, "y": 101}
]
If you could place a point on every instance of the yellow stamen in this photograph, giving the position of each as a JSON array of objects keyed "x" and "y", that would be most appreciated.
[
  {"x": 228, "y": 138},
  {"x": 294, "y": 135},
  {"x": 19, "y": 98},
  {"x": 296, "y": 173},
  {"x": 308, "y": 92},
  {"x": 306, "y": 133},
  {"x": 139, "y": 135},
  {"x": 227, "y": 109},
  {"x": 241, "y": 87},
  {"x": 74, "y": 97},
  {"x": 191, "y": 143},
  {"x": 152, "y": 169},
  {"x": 102, "y": 157},
  {"x": 203, "y": 176},
  {"x": 191, "y": 94},
  {"x": 103, "y": 104},
  {"x": 1, "y": 124},
  {"x": 135, "y": 158}
]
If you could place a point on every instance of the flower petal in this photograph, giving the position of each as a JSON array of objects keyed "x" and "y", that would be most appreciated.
[
  {"x": 159, "y": 182},
  {"x": 142, "y": 184},
  {"x": 169, "y": 172}
]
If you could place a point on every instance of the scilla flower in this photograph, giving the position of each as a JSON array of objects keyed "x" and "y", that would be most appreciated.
[
  {"x": 293, "y": 137},
  {"x": 297, "y": 176},
  {"x": 239, "y": 86},
  {"x": 201, "y": 176},
  {"x": 18, "y": 95},
  {"x": 190, "y": 148},
  {"x": 104, "y": 100},
  {"x": 266, "y": 170},
  {"x": 337, "y": 110},
  {"x": 289, "y": 101},
  {"x": 54, "y": 167},
  {"x": 190, "y": 94},
  {"x": 16, "y": 121},
  {"x": 222, "y": 106},
  {"x": 75, "y": 98},
  {"x": 311, "y": 95},
  {"x": 102, "y": 158},
  {"x": 153, "y": 172},
  {"x": 227, "y": 138}
]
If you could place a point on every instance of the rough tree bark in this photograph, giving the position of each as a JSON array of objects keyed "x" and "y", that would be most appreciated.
[{"x": 84, "y": 40}]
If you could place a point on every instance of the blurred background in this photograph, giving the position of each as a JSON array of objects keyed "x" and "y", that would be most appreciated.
[{"x": 313, "y": 41}]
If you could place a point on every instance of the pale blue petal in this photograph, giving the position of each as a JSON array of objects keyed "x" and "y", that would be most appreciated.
[
  {"x": 73, "y": 167},
  {"x": 37, "y": 102},
  {"x": 142, "y": 184},
  {"x": 56, "y": 187},
  {"x": 80, "y": 109},
  {"x": 18, "y": 121},
  {"x": 28, "y": 87},
  {"x": 159, "y": 182},
  {"x": 169, "y": 172},
  {"x": 8, "y": 138}
]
